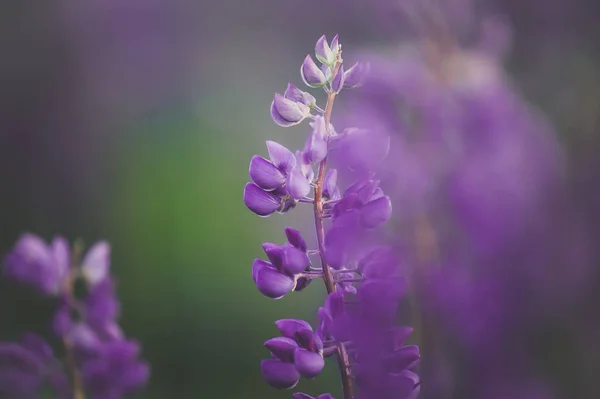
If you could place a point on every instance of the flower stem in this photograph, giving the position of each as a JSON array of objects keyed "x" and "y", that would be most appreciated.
[
  {"x": 76, "y": 380},
  {"x": 342, "y": 356}
]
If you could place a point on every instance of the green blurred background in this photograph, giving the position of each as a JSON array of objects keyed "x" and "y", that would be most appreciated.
[{"x": 134, "y": 122}]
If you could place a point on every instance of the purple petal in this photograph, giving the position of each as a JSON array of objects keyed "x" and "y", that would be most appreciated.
[
  {"x": 323, "y": 51},
  {"x": 355, "y": 75},
  {"x": 266, "y": 175},
  {"x": 282, "y": 347},
  {"x": 325, "y": 322},
  {"x": 365, "y": 193},
  {"x": 330, "y": 184},
  {"x": 311, "y": 74},
  {"x": 294, "y": 260},
  {"x": 316, "y": 147},
  {"x": 325, "y": 395},
  {"x": 259, "y": 201},
  {"x": 281, "y": 157},
  {"x": 62, "y": 261},
  {"x": 376, "y": 213},
  {"x": 405, "y": 358},
  {"x": 307, "y": 339},
  {"x": 309, "y": 364},
  {"x": 286, "y": 112},
  {"x": 274, "y": 253},
  {"x": 297, "y": 184},
  {"x": 295, "y": 94},
  {"x": 399, "y": 335},
  {"x": 335, "y": 45},
  {"x": 279, "y": 374},
  {"x": 270, "y": 282},
  {"x": 338, "y": 81},
  {"x": 295, "y": 238},
  {"x": 96, "y": 263},
  {"x": 335, "y": 304},
  {"x": 289, "y": 327},
  {"x": 33, "y": 262},
  {"x": 257, "y": 265}
]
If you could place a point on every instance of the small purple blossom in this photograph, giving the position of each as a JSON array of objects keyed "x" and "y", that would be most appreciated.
[
  {"x": 102, "y": 362},
  {"x": 299, "y": 352}
]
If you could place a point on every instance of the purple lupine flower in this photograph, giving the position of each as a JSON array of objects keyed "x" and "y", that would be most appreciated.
[
  {"x": 103, "y": 363},
  {"x": 286, "y": 112},
  {"x": 287, "y": 269},
  {"x": 26, "y": 367},
  {"x": 32, "y": 261},
  {"x": 362, "y": 278},
  {"x": 299, "y": 352},
  {"x": 112, "y": 369}
]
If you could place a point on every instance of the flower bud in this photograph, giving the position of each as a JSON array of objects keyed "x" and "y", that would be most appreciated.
[
  {"x": 311, "y": 74},
  {"x": 355, "y": 75},
  {"x": 259, "y": 201},
  {"x": 338, "y": 81},
  {"x": 323, "y": 52},
  {"x": 286, "y": 112},
  {"x": 295, "y": 94}
]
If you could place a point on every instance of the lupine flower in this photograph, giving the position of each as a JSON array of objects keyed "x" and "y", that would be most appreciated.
[
  {"x": 284, "y": 272},
  {"x": 33, "y": 262},
  {"x": 106, "y": 364},
  {"x": 27, "y": 366},
  {"x": 286, "y": 112},
  {"x": 365, "y": 286},
  {"x": 299, "y": 352}
]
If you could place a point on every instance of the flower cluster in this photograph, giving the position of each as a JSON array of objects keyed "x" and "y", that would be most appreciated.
[
  {"x": 101, "y": 363},
  {"x": 357, "y": 323}
]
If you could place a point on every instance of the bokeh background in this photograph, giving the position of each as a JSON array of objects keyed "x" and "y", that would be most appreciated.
[{"x": 134, "y": 121}]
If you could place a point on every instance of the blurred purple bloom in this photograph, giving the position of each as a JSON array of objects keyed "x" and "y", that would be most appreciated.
[
  {"x": 112, "y": 369},
  {"x": 26, "y": 367},
  {"x": 33, "y": 262}
]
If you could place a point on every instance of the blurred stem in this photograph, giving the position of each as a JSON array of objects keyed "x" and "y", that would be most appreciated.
[
  {"x": 76, "y": 380},
  {"x": 342, "y": 355}
]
